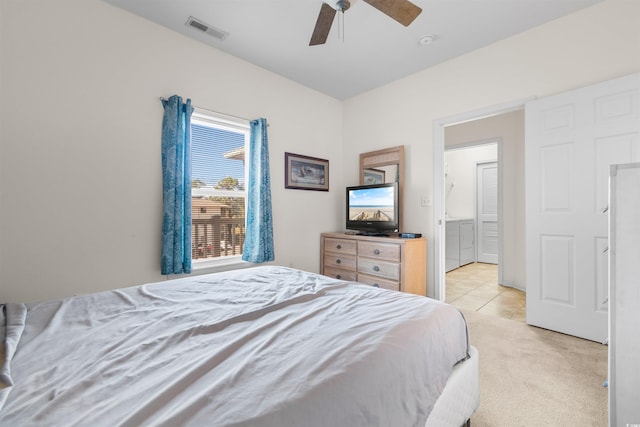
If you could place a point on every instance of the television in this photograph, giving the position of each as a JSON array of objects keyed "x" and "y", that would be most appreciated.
[{"x": 373, "y": 209}]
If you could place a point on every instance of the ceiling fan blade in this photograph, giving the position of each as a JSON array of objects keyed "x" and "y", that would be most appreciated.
[
  {"x": 323, "y": 25},
  {"x": 402, "y": 11}
]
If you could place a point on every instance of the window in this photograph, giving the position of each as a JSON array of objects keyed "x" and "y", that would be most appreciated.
[{"x": 218, "y": 191}]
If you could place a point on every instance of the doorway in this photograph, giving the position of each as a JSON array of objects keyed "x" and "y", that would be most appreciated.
[
  {"x": 472, "y": 193},
  {"x": 503, "y": 124}
]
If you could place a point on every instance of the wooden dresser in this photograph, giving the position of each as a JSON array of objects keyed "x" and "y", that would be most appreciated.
[{"x": 386, "y": 262}]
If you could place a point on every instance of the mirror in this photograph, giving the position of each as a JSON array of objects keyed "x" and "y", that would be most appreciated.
[{"x": 386, "y": 165}]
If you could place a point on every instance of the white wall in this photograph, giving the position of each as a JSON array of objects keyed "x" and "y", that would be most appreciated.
[
  {"x": 596, "y": 44},
  {"x": 80, "y": 177},
  {"x": 460, "y": 179},
  {"x": 80, "y": 128}
]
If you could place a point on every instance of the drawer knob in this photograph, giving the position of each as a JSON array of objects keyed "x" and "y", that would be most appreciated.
[
  {"x": 376, "y": 251},
  {"x": 375, "y": 285},
  {"x": 338, "y": 276},
  {"x": 338, "y": 261},
  {"x": 338, "y": 246},
  {"x": 376, "y": 268}
]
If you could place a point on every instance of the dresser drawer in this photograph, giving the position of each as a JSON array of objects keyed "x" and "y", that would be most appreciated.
[
  {"x": 343, "y": 262},
  {"x": 339, "y": 273},
  {"x": 379, "y": 282},
  {"x": 374, "y": 267},
  {"x": 343, "y": 246},
  {"x": 378, "y": 250}
]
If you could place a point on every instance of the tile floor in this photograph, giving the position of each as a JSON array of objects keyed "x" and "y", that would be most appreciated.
[{"x": 475, "y": 287}]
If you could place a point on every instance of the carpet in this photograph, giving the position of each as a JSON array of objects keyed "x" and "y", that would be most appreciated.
[{"x": 535, "y": 377}]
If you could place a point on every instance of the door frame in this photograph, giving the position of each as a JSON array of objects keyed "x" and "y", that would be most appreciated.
[{"x": 439, "y": 184}]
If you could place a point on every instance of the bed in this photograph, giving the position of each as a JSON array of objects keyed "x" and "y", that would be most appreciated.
[{"x": 264, "y": 346}]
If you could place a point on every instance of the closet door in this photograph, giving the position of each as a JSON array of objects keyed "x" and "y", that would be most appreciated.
[{"x": 487, "y": 212}]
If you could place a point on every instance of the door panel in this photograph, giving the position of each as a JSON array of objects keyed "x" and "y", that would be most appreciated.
[
  {"x": 556, "y": 173},
  {"x": 556, "y": 269},
  {"x": 570, "y": 141},
  {"x": 490, "y": 240}
]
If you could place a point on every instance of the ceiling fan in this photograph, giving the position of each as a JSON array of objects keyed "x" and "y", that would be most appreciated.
[{"x": 402, "y": 11}]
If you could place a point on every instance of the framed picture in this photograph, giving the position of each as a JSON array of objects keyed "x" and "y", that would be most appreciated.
[
  {"x": 305, "y": 173},
  {"x": 373, "y": 176}
]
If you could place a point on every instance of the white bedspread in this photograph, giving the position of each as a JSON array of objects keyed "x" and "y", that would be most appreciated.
[{"x": 267, "y": 346}]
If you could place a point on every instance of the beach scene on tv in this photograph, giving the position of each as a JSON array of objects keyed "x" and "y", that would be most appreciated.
[{"x": 373, "y": 204}]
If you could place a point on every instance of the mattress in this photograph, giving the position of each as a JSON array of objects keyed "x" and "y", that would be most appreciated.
[
  {"x": 460, "y": 397},
  {"x": 266, "y": 346}
]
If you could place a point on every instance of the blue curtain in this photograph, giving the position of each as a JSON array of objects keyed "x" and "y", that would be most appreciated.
[
  {"x": 258, "y": 246},
  {"x": 176, "y": 186}
]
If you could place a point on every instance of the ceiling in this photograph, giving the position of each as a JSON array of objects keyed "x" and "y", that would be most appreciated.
[{"x": 375, "y": 50}]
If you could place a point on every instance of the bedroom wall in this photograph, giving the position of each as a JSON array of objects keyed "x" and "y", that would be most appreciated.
[
  {"x": 596, "y": 44},
  {"x": 80, "y": 178},
  {"x": 80, "y": 128}
]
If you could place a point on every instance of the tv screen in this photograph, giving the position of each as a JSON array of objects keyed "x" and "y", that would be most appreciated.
[{"x": 373, "y": 209}]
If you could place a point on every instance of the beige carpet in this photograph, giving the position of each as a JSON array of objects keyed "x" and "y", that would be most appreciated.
[{"x": 534, "y": 377}]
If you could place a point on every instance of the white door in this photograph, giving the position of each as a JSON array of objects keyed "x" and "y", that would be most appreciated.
[
  {"x": 570, "y": 141},
  {"x": 487, "y": 212}
]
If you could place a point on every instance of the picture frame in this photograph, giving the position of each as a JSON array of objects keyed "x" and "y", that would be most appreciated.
[
  {"x": 374, "y": 176},
  {"x": 305, "y": 172}
]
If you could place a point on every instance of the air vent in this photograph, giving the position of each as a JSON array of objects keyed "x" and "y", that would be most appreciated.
[{"x": 206, "y": 28}]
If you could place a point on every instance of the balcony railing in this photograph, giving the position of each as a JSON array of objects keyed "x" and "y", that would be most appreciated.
[{"x": 217, "y": 237}]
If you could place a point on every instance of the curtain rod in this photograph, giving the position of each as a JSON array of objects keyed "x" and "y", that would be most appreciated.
[{"x": 162, "y": 99}]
